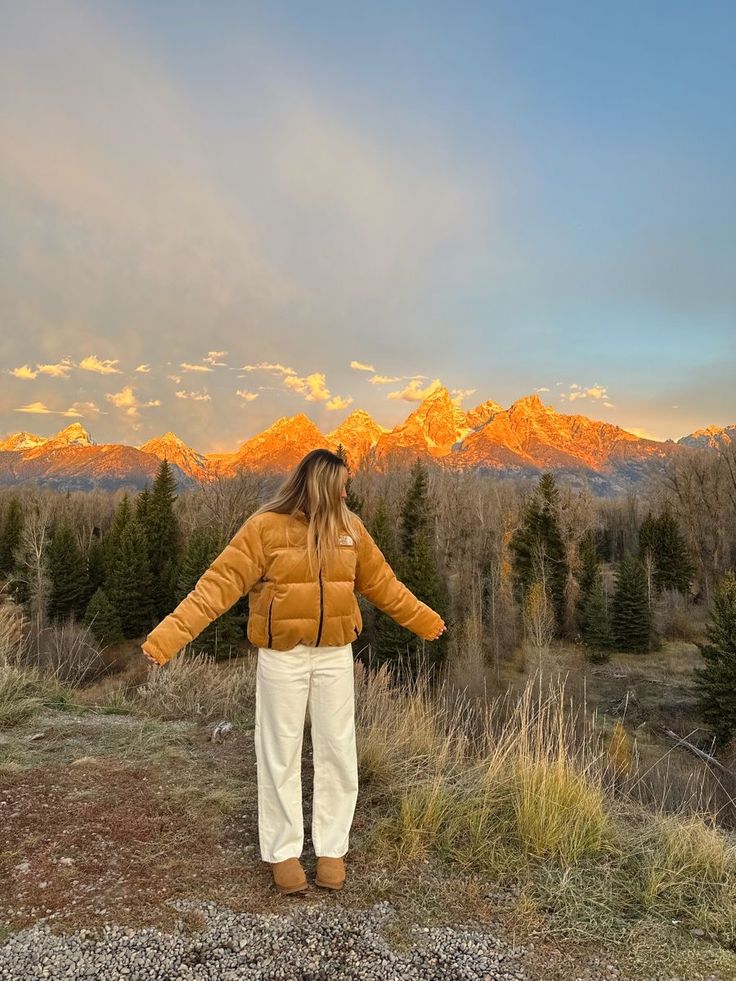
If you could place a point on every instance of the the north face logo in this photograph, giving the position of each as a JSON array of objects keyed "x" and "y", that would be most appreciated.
[{"x": 345, "y": 540}]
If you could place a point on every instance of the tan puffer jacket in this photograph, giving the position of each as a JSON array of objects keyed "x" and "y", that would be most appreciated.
[{"x": 267, "y": 558}]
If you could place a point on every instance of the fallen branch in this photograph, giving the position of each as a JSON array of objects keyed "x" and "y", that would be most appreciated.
[{"x": 700, "y": 753}]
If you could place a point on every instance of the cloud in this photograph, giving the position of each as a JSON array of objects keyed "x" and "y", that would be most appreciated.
[
  {"x": 212, "y": 357},
  {"x": 77, "y": 410},
  {"x": 245, "y": 395},
  {"x": 359, "y": 366},
  {"x": 390, "y": 379},
  {"x": 338, "y": 403},
  {"x": 595, "y": 392},
  {"x": 312, "y": 387},
  {"x": 195, "y": 396},
  {"x": 127, "y": 400},
  {"x": 413, "y": 392},
  {"x": 185, "y": 366},
  {"x": 59, "y": 370},
  {"x": 268, "y": 366},
  {"x": 144, "y": 369},
  {"x": 458, "y": 395},
  {"x": 93, "y": 363},
  {"x": 24, "y": 372}
]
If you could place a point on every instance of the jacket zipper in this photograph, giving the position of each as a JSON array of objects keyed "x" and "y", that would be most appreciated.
[
  {"x": 269, "y": 621},
  {"x": 321, "y": 610}
]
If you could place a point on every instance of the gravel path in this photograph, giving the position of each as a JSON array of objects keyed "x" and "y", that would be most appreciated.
[{"x": 305, "y": 944}]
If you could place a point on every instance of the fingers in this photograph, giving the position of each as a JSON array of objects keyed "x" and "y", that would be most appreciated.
[
  {"x": 150, "y": 657},
  {"x": 441, "y": 630}
]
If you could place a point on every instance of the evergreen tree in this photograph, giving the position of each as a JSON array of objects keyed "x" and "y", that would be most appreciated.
[
  {"x": 631, "y": 618},
  {"x": 162, "y": 536},
  {"x": 352, "y": 501},
  {"x": 594, "y": 624},
  {"x": 95, "y": 564},
  {"x": 220, "y": 637},
  {"x": 417, "y": 568},
  {"x": 674, "y": 567},
  {"x": 102, "y": 618},
  {"x": 12, "y": 527},
  {"x": 67, "y": 573},
  {"x": 592, "y": 614},
  {"x": 648, "y": 538},
  {"x": 111, "y": 541},
  {"x": 130, "y": 581},
  {"x": 716, "y": 682},
  {"x": 588, "y": 563},
  {"x": 537, "y": 547},
  {"x": 662, "y": 539},
  {"x": 380, "y": 628}
]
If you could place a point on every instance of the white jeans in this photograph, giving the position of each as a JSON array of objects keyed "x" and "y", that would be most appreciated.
[{"x": 286, "y": 681}]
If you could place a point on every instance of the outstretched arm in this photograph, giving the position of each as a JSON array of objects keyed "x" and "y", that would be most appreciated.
[
  {"x": 232, "y": 574},
  {"x": 376, "y": 580}
]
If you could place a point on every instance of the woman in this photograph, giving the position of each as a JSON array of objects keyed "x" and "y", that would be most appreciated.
[{"x": 300, "y": 557}]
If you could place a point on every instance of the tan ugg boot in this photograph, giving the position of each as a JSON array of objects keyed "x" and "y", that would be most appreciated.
[
  {"x": 289, "y": 876},
  {"x": 330, "y": 872}
]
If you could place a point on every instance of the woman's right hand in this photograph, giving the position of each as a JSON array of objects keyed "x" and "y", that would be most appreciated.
[{"x": 439, "y": 633}]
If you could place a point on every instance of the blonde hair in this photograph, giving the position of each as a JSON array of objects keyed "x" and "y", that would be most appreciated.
[{"x": 315, "y": 487}]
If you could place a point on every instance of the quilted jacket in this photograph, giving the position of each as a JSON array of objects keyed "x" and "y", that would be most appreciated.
[{"x": 267, "y": 559}]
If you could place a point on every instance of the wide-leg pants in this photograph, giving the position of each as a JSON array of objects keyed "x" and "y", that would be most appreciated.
[{"x": 286, "y": 682}]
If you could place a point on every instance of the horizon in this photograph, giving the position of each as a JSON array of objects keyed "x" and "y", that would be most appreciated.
[
  {"x": 216, "y": 217},
  {"x": 244, "y": 439}
]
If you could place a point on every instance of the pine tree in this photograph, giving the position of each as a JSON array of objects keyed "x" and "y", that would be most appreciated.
[
  {"x": 222, "y": 635},
  {"x": 674, "y": 567},
  {"x": 588, "y": 563},
  {"x": 68, "y": 574},
  {"x": 12, "y": 528},
  {"x": 648, "y": 538},
  {"x": 662, "y": 539},
  {"x": 592, "y": 613},
  {"x": 102, "y": 618},
  {"x": 716, "y": 682},
  {"x": 537, "y": 547},
  {"x": 111, "y": 541},
  {"x": 162, "y": 536},
  {"x": 95, "y": 564},
  {"x": 594, "y": 622},
  {"x": 130, "y": 581},
  {"x": 417, "y": 568},
  {"x": 386, "y": 635},
  {"x": 352, "y": 501},
  {"x": 631, "y": 617}
]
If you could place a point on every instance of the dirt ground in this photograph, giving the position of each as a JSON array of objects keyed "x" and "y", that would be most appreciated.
[{"x": 105, "y": 817}]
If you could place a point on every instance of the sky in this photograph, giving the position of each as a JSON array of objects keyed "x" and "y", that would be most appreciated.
[{"x": 218, "y": 214}]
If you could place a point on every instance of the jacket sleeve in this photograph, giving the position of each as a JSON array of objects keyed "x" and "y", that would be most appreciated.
[
  {"x": 231, "y": 575},
  {"x": 376, "y": 580}
]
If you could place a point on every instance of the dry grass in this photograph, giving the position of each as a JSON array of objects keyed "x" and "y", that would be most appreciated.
[
  {"x": 526, "y": 790},
  {"x": 196, "y": 687},
  {"x": 530, "y": 791}
]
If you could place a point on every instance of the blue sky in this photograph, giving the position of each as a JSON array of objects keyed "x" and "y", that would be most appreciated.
[{"x": 218, "y": 214}]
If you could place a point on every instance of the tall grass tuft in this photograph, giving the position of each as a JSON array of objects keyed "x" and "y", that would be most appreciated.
[
  {"x": 194, "y": 686},
  {"x": 531, "y": 790}
]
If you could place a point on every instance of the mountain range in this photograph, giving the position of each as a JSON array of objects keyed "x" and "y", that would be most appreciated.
[{"x": 526, "y": 438}]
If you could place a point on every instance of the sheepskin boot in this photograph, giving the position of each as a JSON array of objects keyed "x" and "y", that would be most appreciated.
[
  {"x": 289, "y": 876},
  {"x": 330, "y": 872}
]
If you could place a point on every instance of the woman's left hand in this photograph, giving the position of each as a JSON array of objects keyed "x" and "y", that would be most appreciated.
[{"x": 150, "y": 657}]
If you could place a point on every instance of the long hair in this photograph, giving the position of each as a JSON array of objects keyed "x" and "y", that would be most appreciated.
[{"x": 314, "y": 487}]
